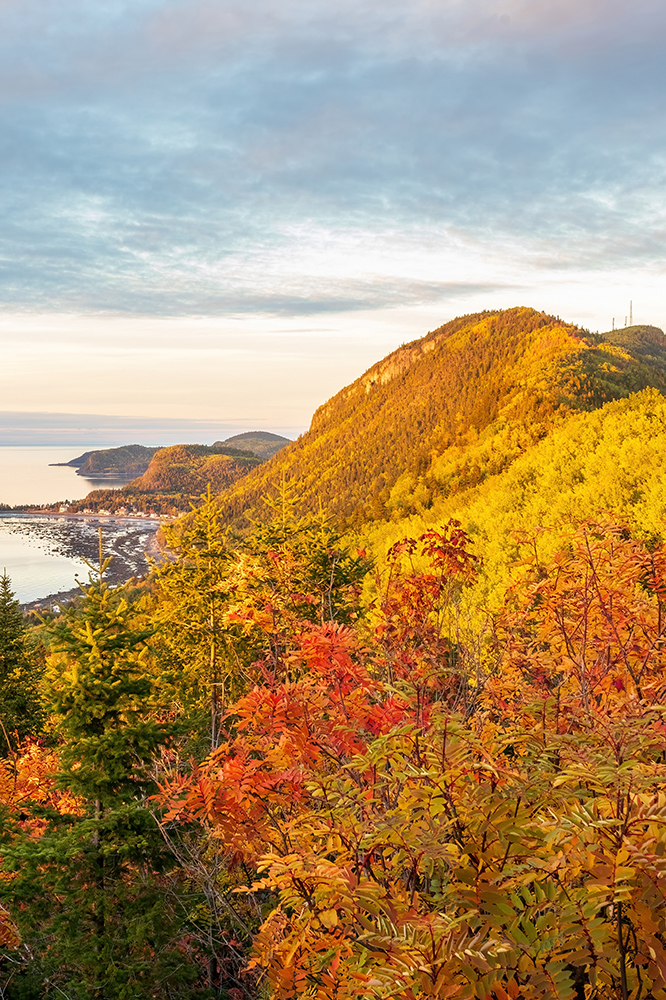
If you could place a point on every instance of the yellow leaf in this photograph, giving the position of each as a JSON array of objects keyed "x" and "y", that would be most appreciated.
[{"x": 329, "y": 918}]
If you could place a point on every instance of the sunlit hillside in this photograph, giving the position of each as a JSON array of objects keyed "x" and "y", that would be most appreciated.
[
  {"x": 293, "y": 737},
  {"x": 176, "y": 477},
  {"x": 445, "y": 413},
  {"x": 609, "y": 462}
]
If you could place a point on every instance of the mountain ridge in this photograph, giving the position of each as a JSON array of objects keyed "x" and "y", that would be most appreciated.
[{"x": 505, "y": 377}]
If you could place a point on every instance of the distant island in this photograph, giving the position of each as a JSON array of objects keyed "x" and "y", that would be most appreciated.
[
  {"x": 129, "y": 461},
  {"x": 167, "y": 480},
  {"x": 124, "y": 463}
]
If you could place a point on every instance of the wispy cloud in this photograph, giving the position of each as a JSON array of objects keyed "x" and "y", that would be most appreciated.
[{"x": 159, "y": 156}]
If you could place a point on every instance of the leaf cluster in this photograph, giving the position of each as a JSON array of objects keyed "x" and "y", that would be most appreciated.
[{"x": 414, "y": 842}]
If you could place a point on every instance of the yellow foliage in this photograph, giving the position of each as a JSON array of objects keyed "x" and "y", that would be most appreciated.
[{"x": 613, "y": 459}]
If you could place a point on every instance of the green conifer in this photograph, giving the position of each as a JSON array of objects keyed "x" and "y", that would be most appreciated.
[
  {"x": 90, "y": 895},
  {"x": 192, "y": 591},
  {"x": 20, "y": 710}
]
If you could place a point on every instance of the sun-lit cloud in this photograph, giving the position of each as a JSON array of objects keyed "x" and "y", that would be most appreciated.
[{"x": 164, "y": 158}]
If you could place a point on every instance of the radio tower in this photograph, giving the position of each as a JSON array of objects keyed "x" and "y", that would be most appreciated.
[{"x": 631, "y": 313}]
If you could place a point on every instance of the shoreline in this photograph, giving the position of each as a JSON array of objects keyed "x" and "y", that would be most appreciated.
[
  {"x": 64, "y": 515},
  {"x": 48, "y": 603},
  {"x": 132, "y": 542},
  {"x": 153, "y": 550}
]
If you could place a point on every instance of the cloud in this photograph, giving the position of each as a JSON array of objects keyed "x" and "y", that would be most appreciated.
[{"x": 159, "y": 156}]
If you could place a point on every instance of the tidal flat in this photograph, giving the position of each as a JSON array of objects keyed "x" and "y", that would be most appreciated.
[{"x": 44, "y": 554}]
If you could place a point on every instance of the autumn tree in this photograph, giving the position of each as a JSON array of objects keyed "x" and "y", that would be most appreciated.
[
  {"x": 292, "y": 570},
  {"x": 227, "y": 611},
  {"x": 415, "y": 626},
  {"x": 584, "y": 631},
  {"x": 227, "y": 607},
  {"x": 417, "y": 850}
]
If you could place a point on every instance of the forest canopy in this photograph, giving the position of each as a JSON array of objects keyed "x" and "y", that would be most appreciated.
[
  {"x": 408, "y": 747},
  {"x": 430, "y": 411},
  {"x": 238, "y": 779}
]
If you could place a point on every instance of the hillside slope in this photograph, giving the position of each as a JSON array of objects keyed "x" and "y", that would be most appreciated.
[
  {"x": 189, "y": 468},
  {"x": 443, "y": 413},
  {"x": 611, "y": 462},
  {"x": 263, "y": 444},
  {"x": 175, "y": 478}
]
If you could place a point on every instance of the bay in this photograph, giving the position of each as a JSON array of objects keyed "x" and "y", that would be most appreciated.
[
  {"x": 35, "y": 570},
  {"x": 28, "y": 475},
  {"x": 43, "y": 555}
]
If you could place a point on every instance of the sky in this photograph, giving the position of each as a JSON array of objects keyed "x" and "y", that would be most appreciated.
[{"x": 218, "y": 213}]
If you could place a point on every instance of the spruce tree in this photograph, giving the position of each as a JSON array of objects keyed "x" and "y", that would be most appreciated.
[
  {"x": 321, "y": 577},
  {"x": 193, "y": 593},
  {"x": 21, "y": 714},
  {"x": 90, "y": 895},
  {"x": 223, "y": 604}
]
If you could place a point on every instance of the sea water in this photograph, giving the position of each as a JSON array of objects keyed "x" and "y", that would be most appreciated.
[
  {"x": 44, "y": 555},
  {"x": 28, "y": 475},
  {"x": 34, "y": 567}
]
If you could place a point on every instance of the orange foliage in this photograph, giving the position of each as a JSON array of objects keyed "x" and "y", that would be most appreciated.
[
  {"x": 29, "y": 776},
  {"x": 408, "y": 850},
  {"x": 588, "y": 630}
]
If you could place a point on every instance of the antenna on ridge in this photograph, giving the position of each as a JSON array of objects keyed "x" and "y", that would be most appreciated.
[
  {"x": 631, "y": 313},
  {"x": 613, "y": 322}
]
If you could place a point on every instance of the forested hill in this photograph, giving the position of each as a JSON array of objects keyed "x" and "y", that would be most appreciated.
[
  {"x": 175, "y": 478},
  {"x": 444, "y": 412},
  {"x": 123, "y": 463},
  {"x": 263, "y": 444}
]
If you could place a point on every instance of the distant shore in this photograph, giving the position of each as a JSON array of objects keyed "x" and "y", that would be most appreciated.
[
  {"x": 62, "y": 597},
  {"x": 91, "y": 516}
]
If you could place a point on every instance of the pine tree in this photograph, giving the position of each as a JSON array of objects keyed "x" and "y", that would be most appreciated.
[
  {"x": 90, "y": 895},
  {"x": 12, "y": 630},
  {"x": 20, "y": 710}
]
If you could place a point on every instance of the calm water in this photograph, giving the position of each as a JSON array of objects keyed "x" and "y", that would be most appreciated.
[
  {"x": 42, "y": 555},
  {"x": 36, "y": 569},
  {"x": 27, "y": 476}
]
